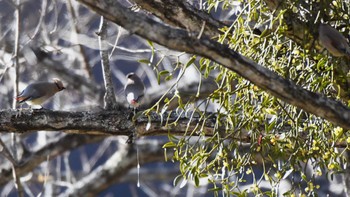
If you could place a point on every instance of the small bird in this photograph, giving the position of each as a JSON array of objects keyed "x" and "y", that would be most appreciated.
[
  {"x": 333, "y": 41},
  {"x": 134, "y": 90},
  {"x": 37, "y": 93}
]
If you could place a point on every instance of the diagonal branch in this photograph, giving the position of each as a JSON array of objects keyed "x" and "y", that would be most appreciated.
[
  {"x": 119, "y": 164},
  {"x": 266, "y": 79},
  {"x": 76, "y": 30},
  {"x": 181, "y": 14}
]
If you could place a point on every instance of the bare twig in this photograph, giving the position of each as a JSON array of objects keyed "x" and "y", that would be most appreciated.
[
  {"x": 17, "y": 179},
  {"x": 7, "y": 153},
  {"x": 14, "y": 136},
  {"x": 42, "y": 15},
  {"x": 202, "y": 30},
  {"x": 109, "y": 98},
  {"x": 16, "y": 52},
  {"x": 77, "y": 31}
]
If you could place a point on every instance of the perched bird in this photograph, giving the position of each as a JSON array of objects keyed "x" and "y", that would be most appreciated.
[
  {"x": 37, "y": 93},
  {"x": 333, "y": 41},
  {"x": 134, "y": 90}
]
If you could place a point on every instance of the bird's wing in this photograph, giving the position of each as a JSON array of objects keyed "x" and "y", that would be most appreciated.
[{"x": 31, "y": 92}]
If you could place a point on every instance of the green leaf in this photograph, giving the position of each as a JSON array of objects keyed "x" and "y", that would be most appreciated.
[
  {"x": 271, "y": 125},
  {"x": 163, "y": 72},
  {"x": 158, "y": 77},
  {"x": 165, "y": 155},
  {"x": 144, "y": 61},
  {"x": 150, "y": 43},
  {"x": 169, "y": 145},
  {"x": 169, "y": 77},
  {"x": 166, "y": 100},
  {"x": 172, "y": 138},
  {"x": 193, "y": 58},
  {"x": 196, "y": 180},
  {"x": 177, "y": 179},
  {"x": 216, "y": 189},
  {"x": 303, "y": 176}
]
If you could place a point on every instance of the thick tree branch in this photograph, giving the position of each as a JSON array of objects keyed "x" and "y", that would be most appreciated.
[
  {"x": 108, "y": 123},
  {"x": 115, "y": 123},
  {"x": 179, "y": 39},
  {"x": 99, "y": 123},
  {"x": 102, "y": 123},
  {"x": 181, "y": 14}
]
